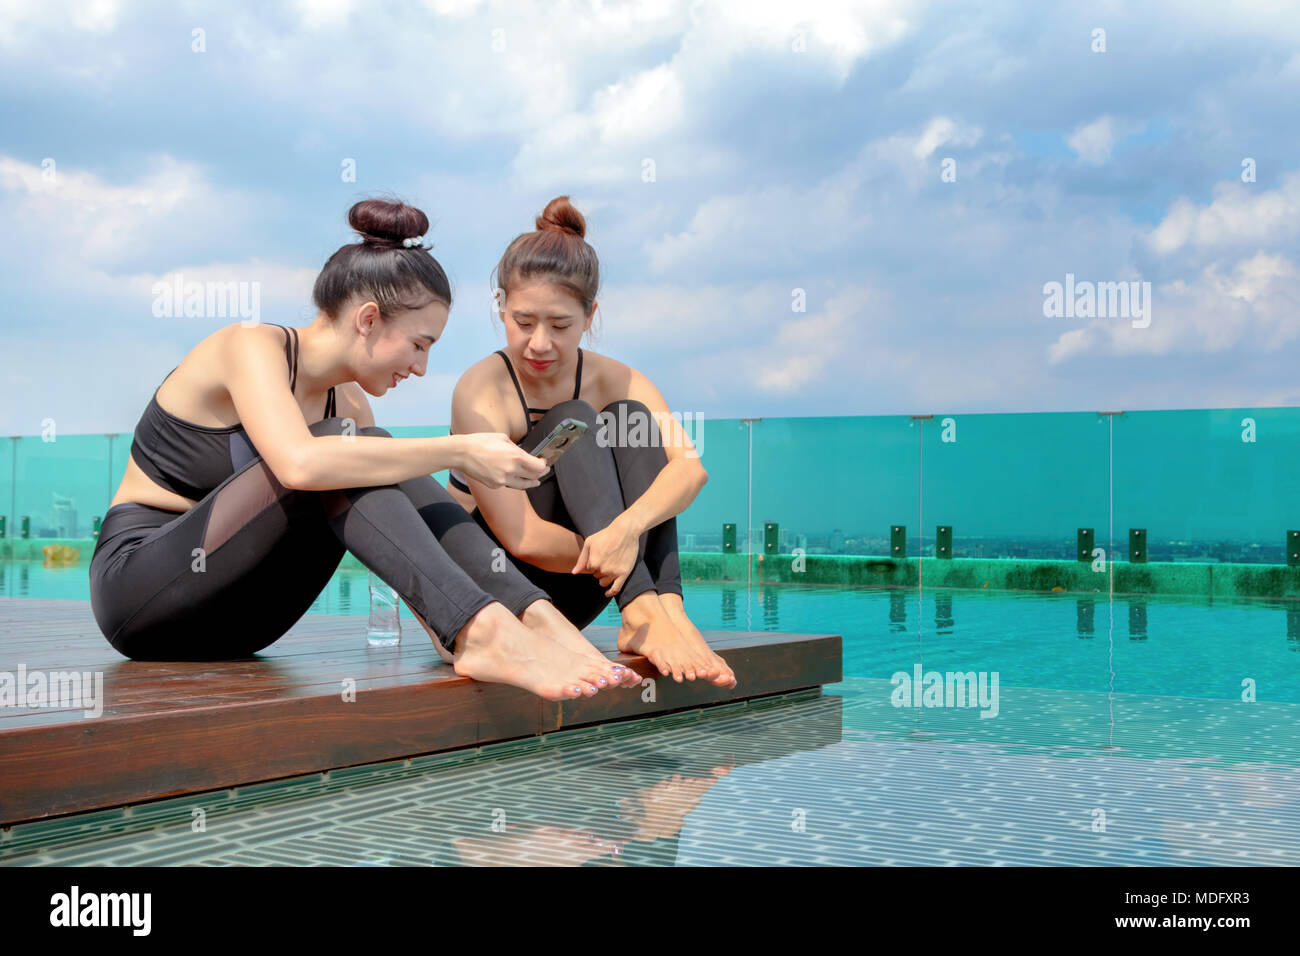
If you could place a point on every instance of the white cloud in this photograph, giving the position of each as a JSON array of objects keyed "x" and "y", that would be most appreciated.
[
  {"x": 1093, "y": 141},
  {"x": 785, "y": 224},
  {"x": 1241, "y": 213},
  {"x": 22, "y": 21},
  {"x": 279, "y": 286},
  {"x": 949, "y": 60},
  {"x": 1255, "y": 306},
  {"x": 729, "y": 338},
  {"x": 77, "y": 216},
  {"x": 660, "y": 107},
  {"x": 840, "y": 31},
  {"x": 453, "y": 8},
  {"x": 913, "y": 153},
  {"x": 323, "y": 13},
  {"x": 638, "y": 112},
  {"x": 92, "y": 248},
  {"x": 802, "y": 350}
]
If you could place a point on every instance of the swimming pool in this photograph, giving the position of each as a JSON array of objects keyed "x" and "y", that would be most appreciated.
[
  {"x": 1182, "y": 647},
  {"x": 1120, "y": 736}
]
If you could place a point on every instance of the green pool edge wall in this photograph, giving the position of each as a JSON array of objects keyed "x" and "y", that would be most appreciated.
[{"x": 1188, "y": 578}]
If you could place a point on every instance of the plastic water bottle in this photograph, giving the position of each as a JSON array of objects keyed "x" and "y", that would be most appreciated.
[{"x": 385, "y": 628}]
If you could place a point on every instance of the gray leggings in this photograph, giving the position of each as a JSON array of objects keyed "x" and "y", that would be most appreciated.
[
  {"x": 589, "y": 487},
  {"x": 235, "y": 572}
]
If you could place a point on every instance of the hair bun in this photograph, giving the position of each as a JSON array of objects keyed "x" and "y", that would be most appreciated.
[
  {"x": 560, "y": 216},
  {"x": 386, "y": 223}
]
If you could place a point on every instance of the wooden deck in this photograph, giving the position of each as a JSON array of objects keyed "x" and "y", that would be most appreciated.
[{"x": 174, "y": 728}]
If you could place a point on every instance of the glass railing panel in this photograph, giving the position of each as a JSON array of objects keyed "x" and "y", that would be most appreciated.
[
  {"x": 1014, "y": 485},
  {"x": 61, "y": 484},
  {"x": 835, "y": 485},
  {"x": 1207, "y": 485}
]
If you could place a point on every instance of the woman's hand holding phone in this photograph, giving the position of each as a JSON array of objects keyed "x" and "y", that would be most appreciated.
[{"x": 494, "y": 460}]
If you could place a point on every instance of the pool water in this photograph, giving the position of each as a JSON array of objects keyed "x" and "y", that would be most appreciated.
[
  {"x": 1183, "y": 647},
  {"x": 1137, "y": 645},
  {"x": 1060, "y": 778},
  {"x": 1143, "y": 731}
]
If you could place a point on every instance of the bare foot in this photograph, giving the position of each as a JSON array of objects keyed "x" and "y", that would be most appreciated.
[
  {"x": 545, "y": 618},
  {"x": 648, "y": 630},
  {"x": 723, "y": 675},
  {"x": 495, "y": 647}
]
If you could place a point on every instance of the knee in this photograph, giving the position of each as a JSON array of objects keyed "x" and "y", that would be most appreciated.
[
  {"x": 573, "y": 408},
  {"x": 332, "y": 426},
  {"x": 628, "y": 423},
  {"x": 338, "y": 425},
  {"x": 630, "y": 403}
]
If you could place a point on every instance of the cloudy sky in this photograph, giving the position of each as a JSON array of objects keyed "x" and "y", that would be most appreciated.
[{"x": 913, "y": 173}]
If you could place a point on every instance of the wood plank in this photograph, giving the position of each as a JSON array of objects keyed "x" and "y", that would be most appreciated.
[{"x": 171, "y": 728}]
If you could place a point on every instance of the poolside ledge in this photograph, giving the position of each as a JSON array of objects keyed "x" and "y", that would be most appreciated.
[{"x": 315, "y": 700}]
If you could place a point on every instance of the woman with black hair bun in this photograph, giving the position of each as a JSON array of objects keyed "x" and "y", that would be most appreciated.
[
  {"x": 603, "y": 523},
  {"x": 257, "y": 464}
]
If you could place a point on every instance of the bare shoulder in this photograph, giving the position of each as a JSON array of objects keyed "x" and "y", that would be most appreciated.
[
  {"x": 478, "y": 374},
  {"x": 230, "y": 341},
  {"x": 476, "y": 400},
  {"x": 272, "y": 333},
  {"x": 611, "y": 379},
  {"x": 199, "y": 389},
  {"x": 272, "y": 336}
]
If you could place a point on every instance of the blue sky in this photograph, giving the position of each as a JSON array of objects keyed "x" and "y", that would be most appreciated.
[{"x": 795, "y": 146}]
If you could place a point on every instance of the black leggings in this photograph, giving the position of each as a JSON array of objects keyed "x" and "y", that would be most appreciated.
[
  {"x": 235, "y": 572},
  {"x": 588, "y": 488}
]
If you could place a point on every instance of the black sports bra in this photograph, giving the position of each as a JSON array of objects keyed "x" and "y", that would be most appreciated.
[
  {"x": 189, "y": 459},
  {"x": 455, "y": 480}
]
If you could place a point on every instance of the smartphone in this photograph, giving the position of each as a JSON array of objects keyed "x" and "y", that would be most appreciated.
[{"x": 560, "y": 440}]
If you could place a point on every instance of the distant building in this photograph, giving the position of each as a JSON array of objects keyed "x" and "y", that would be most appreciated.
[{"x": 63, "y": 516}]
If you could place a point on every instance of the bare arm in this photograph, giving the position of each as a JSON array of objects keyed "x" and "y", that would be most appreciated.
[
  {"x": 679, "y": 481},
  {"x": 611, "y": 552},
  {"x": 259, "y": 388},
  {"x": 507, "y": 511},
  {"x": 357, "y": 461}
]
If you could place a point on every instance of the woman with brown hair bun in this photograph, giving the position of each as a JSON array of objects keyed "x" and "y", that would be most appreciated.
[
  {"x": 602, "y": 523},
  {"x": 243, "y": 493}
]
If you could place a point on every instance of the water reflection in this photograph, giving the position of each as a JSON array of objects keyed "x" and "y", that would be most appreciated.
[
  {"x": 1084, "y": 610},
  {"x": 633, "y": 809},
  {"x": 822, "y": 781},
  {"x": 728, "y": 607},
  {"x": 769, "y": 598},
  {"x": 1137, "y": 620},
  {"x": 345, "y": 596},
  {"x": 943, "y": 619},
  {"x": 897, "y": 610}
]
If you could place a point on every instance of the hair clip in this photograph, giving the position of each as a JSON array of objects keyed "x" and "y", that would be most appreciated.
[{"x": 415, "y": 242}]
